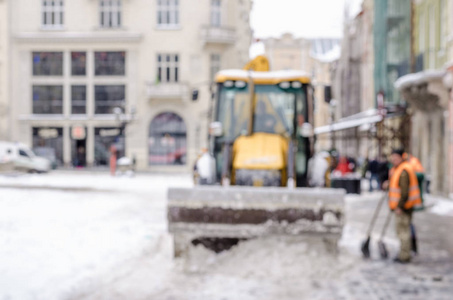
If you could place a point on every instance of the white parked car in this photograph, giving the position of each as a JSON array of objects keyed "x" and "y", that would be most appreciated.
[{"x": 23, "y": 158}]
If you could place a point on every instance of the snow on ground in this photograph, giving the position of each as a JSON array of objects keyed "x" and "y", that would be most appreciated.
[
  {"x": 57, "y": 243},
  {"x": 143, "y": 183},
  {"x": 442, "y": 207},
  {"x": 106, "y": 238}
]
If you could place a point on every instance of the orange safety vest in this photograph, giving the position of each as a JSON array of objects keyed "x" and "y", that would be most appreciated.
[
  {"x": 395, "y": 190},
  {"x": 414, "y": 162}
]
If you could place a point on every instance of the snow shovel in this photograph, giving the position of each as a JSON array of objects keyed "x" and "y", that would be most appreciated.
[
  {"x": 366, "y": 244},
  {"x": 414, "y": 240},
  {"x": 382, "y": 248}
]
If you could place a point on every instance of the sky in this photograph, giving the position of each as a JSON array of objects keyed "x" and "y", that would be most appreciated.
[{"x": 302, "y": 18}]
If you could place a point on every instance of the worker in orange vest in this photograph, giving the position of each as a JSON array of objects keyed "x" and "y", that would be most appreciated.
[
  {"x": 420, "y": 173},
  {"x": 414, "y": 162},
  {"x": 113, "y": 157},
  {"x": 404, "y": 196}
]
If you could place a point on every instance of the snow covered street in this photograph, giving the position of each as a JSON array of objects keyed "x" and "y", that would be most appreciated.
[
  {"x": 57, "y": 243},
  {"x": 91, "y": 236}
]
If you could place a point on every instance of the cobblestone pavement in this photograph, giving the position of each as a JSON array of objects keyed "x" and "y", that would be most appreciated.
[{"x": 428, "y": 276}]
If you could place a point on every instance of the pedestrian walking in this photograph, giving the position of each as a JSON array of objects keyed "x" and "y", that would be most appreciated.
[
  {"x": 373, "y": 168},
  {"x": 343, "y": 166},
  {"x": 383, "y": 170},
  {"x": 404, "y": 195},
  {"x": 364, "y": 167}
]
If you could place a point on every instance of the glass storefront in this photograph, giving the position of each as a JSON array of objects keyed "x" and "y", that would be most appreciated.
[
  {"x": 104, "y": 138},
  {"x": 167, "y": 140},
  {"x": 48, "y": 143}
]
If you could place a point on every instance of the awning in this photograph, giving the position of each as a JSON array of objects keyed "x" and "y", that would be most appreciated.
[{"x": 349, "y": 123}]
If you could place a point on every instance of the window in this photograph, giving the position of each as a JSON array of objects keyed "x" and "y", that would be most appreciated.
[
  {"x": 215, "y": 65},
  {"x": 78, "y": 63},
  {"x": 167, "y": 13},
  {"x": 167, "y": 67},
  {"x": 107, "y": 97},
  {"x": 47, "y": 99},
  {"x": 216, "y": 13},
  {"x": 432, "y": 37},
  {"x": 110, "y": 13},
  {"x": 104, "y": 138},
  {"x": 109, "y": 63},
  {"x": 443, "y": 29},
  {"x": 421, "y": 36},
  {"x": 23, "y": 153},
  {"x": 78, "y": 99},
  {"x": 47, "y": 63},
  {"x": 48, "y": 143},
  {"x": 167, "y": 140},
  {"x": 52, "y": 13}
]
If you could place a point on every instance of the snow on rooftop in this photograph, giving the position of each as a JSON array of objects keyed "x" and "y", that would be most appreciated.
[
  {"x": 330, "y": 56},
  {"x": 418, "y": 78},
  {"x": 364, "y": 118},
  {"x": 286, "y": 74}
]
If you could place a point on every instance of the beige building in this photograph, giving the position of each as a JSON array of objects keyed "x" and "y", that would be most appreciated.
[
  {"x": 448, "y": 82},
  {"x": 354, "y": 88},
  {"x": 288, "y": 53},
  {"x": 4, "y": 67},
  {"x": 94, "y": 73},
  {"x": 428, "y": 95},
  {"x": 314, "y": 56}
]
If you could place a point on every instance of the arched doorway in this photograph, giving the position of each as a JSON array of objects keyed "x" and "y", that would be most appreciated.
[{"x": 167, "y": 140}]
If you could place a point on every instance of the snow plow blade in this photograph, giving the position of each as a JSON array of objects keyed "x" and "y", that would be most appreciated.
[{"x": 208, "y": 212}]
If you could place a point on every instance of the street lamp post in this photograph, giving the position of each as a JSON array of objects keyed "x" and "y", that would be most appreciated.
[
  {"x": 332, "y": 107},
  {"x": 123, "y": 119}
]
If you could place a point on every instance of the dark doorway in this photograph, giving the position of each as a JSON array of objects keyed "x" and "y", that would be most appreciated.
[{"x": 79, "y": 153}]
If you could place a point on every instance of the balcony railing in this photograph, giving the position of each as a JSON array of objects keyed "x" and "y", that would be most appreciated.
[
  {"x": 168, "y": 90},
  {"x": 218, "y": 35}
]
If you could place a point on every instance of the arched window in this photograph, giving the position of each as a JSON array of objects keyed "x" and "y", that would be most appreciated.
[{"x": 167, "y": 140}]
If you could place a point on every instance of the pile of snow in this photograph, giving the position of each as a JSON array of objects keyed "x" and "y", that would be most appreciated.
[
  {"x": 266, "y": 268},
  {"x": 443, "y": 208},
  {"x": 142, "y": 183}
]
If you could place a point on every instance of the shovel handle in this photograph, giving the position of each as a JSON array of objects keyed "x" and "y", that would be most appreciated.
[
  {"x": 386, "y": 224},
  {"x": 376, "y": 213}
]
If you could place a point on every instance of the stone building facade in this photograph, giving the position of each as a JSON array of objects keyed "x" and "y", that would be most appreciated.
[
  {"x": 354, "y": 129},
  {"x": 314, "y": 56},
  {"x": 4, "y": 67},
  {"x": 90, "y": 74},
  {"x": 425, "y": 91}
]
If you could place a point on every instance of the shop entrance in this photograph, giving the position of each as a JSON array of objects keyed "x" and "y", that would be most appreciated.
[
  {"x": 48, "y": 143},
  {"x": 78, "y": 151}
]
